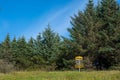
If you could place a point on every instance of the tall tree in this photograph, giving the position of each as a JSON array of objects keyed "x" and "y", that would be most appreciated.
[
  {"x": 38, "y": 57},
  {"x": 95, "y": 31},
  {"x": 6, "y": 49},
  {"x": 14, "y": 48},
  {"x": 22, "y": 55},
  {"x": 82, "y": 33},
  {"x": 108, "y": 32},
  {"x": 51, "y": 42}
]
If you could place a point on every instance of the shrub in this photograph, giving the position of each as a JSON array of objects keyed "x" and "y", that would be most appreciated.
[{"x": 5, "y": 67}]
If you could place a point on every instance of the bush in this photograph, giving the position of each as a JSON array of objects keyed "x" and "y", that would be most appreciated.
[
  {"x": 87, "y": 63},
  {"x": 5, "y": 67},
  {"x": 116, "y": 67}
]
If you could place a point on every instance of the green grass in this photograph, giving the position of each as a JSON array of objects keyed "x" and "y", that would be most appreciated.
[{"x": 66, "y": 75}]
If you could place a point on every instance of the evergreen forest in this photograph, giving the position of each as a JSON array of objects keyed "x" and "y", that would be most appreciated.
[{"x": 94, "y": 34}]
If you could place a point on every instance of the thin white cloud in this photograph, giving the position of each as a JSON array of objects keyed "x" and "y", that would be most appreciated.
[
  {"x": 64, "y": 22},
  {"x": 58, "y": 19},
  {"x": 39, "y": 25}
]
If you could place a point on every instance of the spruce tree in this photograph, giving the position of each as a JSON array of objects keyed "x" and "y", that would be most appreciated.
[
  {"x": 51, "y": 42},
  {"x": 22, "y": 56},
  {"x": 95, "y": 33},
  {"x": 6, "y": 49},
  {"x": 14, "y": 49},
  {"x": 38, "y": 57},
  {"x": 107, "y": 32},
  {"x": 47, "y": 48}
]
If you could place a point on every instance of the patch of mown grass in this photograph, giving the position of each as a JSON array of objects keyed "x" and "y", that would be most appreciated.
[{"x": 65, "y": 75}]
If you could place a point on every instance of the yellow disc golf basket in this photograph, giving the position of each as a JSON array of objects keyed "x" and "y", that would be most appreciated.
[{"x": 79, "y": 62}]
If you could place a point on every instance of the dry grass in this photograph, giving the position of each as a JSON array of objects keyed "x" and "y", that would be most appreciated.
[{"x": 66, "y": 75}]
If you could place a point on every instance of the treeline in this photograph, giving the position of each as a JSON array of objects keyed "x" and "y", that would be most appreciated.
[
  {"x": 95, "y": 35},
  {"x": 39, "y": 53}
]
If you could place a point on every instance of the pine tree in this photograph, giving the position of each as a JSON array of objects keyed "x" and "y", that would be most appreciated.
[
  {"x": 31, "y": 46},
  {"x": 82, "y": 34},
  {"x": 107, "y": 32},
  {"x": 34, "y": 56},
  {"x": 22, "y": 56},
  {"x": 38, "y": 45},
  {"x": 6, "y": 49},
  {"x": 95, "y": 33},
  {"x": 14, "y": 49},
  {"x": 38, "y": 58},
  {"x": 51, "y": 42}
]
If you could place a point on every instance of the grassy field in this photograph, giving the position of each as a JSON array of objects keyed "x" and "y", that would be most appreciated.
[{"x": 68, "y": 75}]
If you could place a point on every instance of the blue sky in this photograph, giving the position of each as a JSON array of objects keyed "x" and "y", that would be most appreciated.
[{"x": 29, "y": 17}]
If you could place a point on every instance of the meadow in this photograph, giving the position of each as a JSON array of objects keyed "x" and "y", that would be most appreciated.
[{"x": 62, "y": 75}]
